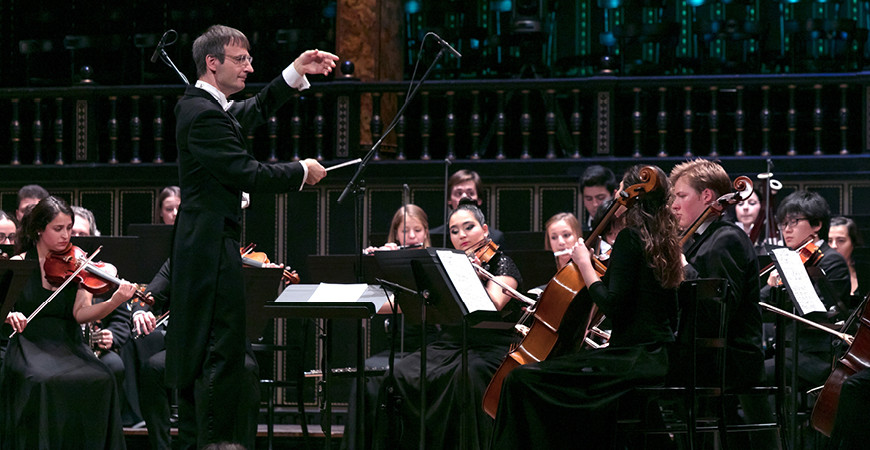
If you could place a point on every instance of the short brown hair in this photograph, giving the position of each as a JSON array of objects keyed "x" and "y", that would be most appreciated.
[
  {"x": 212, "y": 42},
  {"x": 701, "y": 174}
]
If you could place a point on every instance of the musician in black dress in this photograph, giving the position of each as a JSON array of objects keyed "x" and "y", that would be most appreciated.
[
  {"x": 544, "y": 405},
  {"x": 54, "y": 392},
  {"x": 486, "y": 349}
]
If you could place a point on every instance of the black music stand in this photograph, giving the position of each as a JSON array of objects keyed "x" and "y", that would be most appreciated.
[
  {"x": 447, "y": 292},
  {"x": 13, "y": 276},
  {"x": 301, "y": 301},
  {"x": 154, "y": 246}
]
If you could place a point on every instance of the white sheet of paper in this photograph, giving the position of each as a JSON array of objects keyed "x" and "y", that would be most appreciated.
[
  {"x": 465, "y": 281},
  {"x": 799, "y": 284},
  {"x": 337, "y": 293}
]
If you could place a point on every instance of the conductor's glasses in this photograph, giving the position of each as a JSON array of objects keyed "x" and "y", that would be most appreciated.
[{"x": 241, "y": 59}]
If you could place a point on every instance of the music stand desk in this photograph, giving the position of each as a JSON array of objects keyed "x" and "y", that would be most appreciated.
[{"x": 294, "y": 303}]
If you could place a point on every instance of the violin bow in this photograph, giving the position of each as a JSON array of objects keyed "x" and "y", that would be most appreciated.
[
  {"x": 60, "y": 288},
  {"x": 514, "y": 293}
]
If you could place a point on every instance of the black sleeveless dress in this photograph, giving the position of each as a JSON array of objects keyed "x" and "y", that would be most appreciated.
[{"x": 54, "y": 393}]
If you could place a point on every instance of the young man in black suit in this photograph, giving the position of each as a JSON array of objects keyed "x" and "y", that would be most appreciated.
[
  {"x": 206, "y": 344},
  {"x": 721, "y": 249}
]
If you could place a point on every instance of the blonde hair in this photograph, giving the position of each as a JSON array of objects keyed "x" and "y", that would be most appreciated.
[
  {"x": 569, "y": 219},
  {"x": 413, "y": 211}
]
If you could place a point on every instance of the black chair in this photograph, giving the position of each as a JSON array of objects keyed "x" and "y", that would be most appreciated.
[{"x": 695, "y": 401}]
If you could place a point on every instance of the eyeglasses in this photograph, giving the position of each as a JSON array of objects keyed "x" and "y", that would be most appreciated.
[
  {"x": 241, "y": 59},
  {"x": 793, "y": 222},
  {"x": 4, "y": 236}
]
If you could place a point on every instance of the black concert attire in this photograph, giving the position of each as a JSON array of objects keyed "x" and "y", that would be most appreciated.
[
  {"x": 54, "y": 392},
  {"x": 543, "y": 404},
  {"x": 818, "y": 349},
  {"x": 118, "y": 322},
  {"x": 445, "y": 399},
  {"x": 206, "y": 344},
  {"x": 723, "y": 250}
]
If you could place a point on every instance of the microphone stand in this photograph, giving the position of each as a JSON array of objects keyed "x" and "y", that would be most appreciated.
[{"x": 166, "y": 59}]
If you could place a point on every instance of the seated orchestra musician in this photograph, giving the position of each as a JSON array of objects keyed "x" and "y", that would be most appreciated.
[
  {"x": 413, "y": 234},
  {"x": 804, "y": 217},
  {"x": 543, "y": 404},
  {"x": 8, "y": 226},
  {"x": 51, "y": 380},
  {"x": 485, "y": 350},
  {"x": 598, "y": 184},
  {"x": 168, "y": 203},
  {"x": 844, "y": 237},
  {"x": 561, "y": 232},
  {"x": 466, "y": 184},
  {"x": 721, "y": 249}
]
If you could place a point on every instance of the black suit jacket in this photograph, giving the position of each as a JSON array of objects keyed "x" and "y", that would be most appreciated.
[
  {"x": 214, "y": 167},
  {"x": 725, "y": 251}
]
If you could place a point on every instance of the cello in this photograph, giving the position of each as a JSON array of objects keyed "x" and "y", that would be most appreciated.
[
  {"x": 548, "y": 312},
  {"x": 856, "y": 359}
]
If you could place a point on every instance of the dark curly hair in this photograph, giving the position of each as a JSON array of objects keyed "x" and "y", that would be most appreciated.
[
  {"x": 655, "y": 222},
  {"x": 34, "y": 222}
]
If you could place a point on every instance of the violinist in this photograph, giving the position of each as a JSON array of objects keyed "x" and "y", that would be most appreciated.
[
  {"x": 543, "y": 404},
  {"x": 805, "y": 216},
  {"x": 52, "y": 383},
  {"x": 485, "y": 348}
]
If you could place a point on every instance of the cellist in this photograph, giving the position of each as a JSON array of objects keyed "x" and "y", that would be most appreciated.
[
  {"x": 542, "y": 404},
  {"x": 721, "y": 249}
]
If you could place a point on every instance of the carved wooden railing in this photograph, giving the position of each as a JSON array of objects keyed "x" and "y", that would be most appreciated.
[{"x": 623, "y": 117}]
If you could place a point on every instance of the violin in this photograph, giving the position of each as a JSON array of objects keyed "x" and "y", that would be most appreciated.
[
  {"x": 483, "y": 251},
  {"x": 809, "y": 252},
  {"x": 59, "y": 266},
  {"x": 251, "y": 258},
  {"x": 542, "y": 337}
]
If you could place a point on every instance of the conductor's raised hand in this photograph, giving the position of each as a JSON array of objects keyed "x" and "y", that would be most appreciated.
[
  {"x": 316, "y": 172},
  {"x": 315, "y": 62}
]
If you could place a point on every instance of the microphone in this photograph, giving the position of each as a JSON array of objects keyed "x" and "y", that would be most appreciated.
[
  {"x": 160, "y": 46},
  {"x": 447, "y": 46}
]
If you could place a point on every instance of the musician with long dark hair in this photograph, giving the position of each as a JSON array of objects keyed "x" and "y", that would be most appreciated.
[
  {"x": 542, "y": 404},
  {"x": 52, "y": 383}
]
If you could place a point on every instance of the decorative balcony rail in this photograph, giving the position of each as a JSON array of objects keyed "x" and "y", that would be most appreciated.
[{"x": 622, "y": 117}]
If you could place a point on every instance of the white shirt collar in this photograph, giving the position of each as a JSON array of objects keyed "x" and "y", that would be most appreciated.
[{"x": 218, "y": 95}]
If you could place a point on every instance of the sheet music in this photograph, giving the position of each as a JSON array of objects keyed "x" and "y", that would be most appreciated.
[
  {"x": 794, "y": 275},
  {"x": 338, "y": 293},
  {"x": 465, "y": 281}
]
